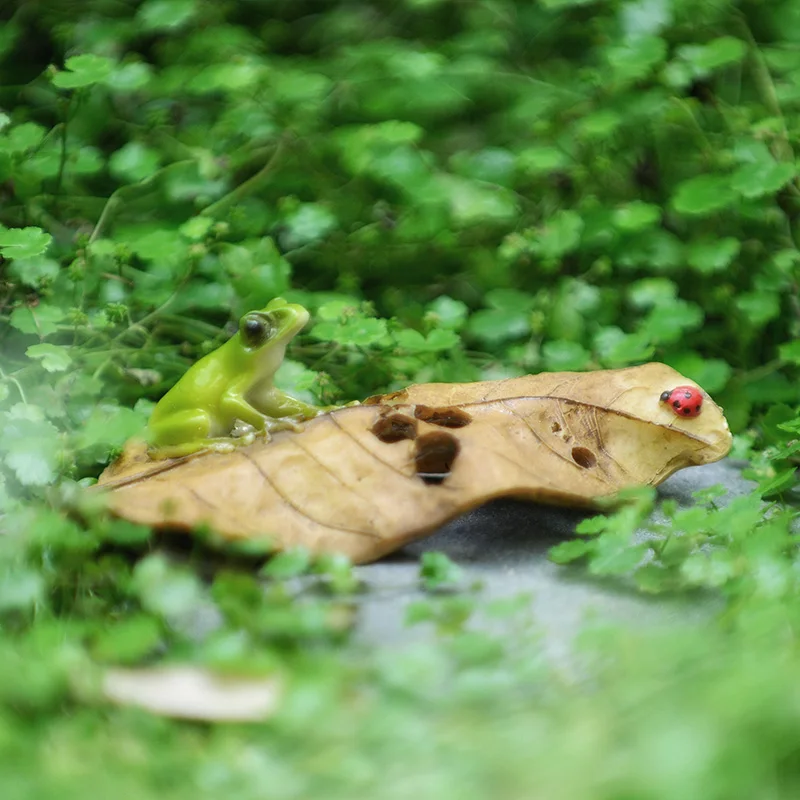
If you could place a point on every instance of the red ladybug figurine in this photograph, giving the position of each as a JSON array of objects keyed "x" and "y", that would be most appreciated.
[{"x": 686, "y": 401}]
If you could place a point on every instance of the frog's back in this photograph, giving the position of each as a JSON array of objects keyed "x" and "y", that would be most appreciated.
[{"x": 201, "y": 386}]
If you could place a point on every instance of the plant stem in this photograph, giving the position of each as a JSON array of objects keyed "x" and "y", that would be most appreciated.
[
  {"x": 248, "y": 187},
  {"x": 12, "y": 379},
  {"x": 63, "y": 159}
]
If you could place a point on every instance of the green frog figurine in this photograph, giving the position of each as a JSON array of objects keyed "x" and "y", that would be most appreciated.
[{"x": 229, "y": 396}]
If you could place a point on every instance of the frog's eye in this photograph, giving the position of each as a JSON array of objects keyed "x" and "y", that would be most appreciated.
[{"x": 256, "y": 329}]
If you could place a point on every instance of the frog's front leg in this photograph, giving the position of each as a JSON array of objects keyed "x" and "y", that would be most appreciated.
[
  {"x": 235, "y": 407},
  {"x": 283, "y": 405}
]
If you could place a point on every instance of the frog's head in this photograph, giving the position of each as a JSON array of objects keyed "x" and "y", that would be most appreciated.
[{"x": 273, "y": 327}]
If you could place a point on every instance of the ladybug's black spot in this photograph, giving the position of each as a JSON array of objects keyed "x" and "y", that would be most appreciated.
[
  {"x": 676, "y": 404},
  {"x": 687, "y": 411},
  {"x": 687, "y": 395},
  {"x": 665, "y": 396},
  {"x": 697, "y": 408}
]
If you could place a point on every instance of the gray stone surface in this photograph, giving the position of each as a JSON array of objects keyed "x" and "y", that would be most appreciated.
[{"x": 504, "y": 545}]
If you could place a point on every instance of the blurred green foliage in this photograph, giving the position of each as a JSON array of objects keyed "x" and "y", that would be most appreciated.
[{"x": 458, "y": 190}]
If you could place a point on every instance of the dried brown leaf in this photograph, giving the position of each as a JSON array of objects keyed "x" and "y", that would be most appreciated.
[{"x": 368, "y": 479}]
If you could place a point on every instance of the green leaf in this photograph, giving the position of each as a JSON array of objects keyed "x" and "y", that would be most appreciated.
[
  {"x": 288, "y": 564},
  {"x": 134, "y": 162},
  {"x": 447, "y": 312},
  {"x": 126, "y": 534},
  {"x": 542, "y": 160},
  {"x": 226, "y": 77},
  {"x": 53, "y": 357},
  {"x": 636, "y": 58},
  {"x": 599, "y": 126},
  {"x": 649, "y": 292},
  {"x": 636, "y": 216},
  {"x": 493, "y": 165},
  {"x": 296, "y": 379},
  {"x": 107, "y": 428},
  {"x": 166, "y": 590},
  {"x": 438, "y": 572},
  {"x": 310, "y": 223},
  {"x": 618, "y": 349},
  {"x": 715, "y": 54},
  {"x": 442, "y": 339},
  {"x": 654, "y": 578},
  {"x": 760, "y": 178},
  {"x": 159, "y": 246},
  {"x": 337, "y": 310},
  {"x": 614, "y": 556},
  {"x": 565, "y": 356},
  {"x": 23, "y": 242},
  {"x": 667, "y": 323},
  {"x": 496, "y": 325},
  {"x": 30, "y": 444},
  {"x": 35, "y": 272},
  {"x": 40, "y": 320},
  {"x": 593, "y": 525},
  {"x": 156, "y": 15},
  {"x": 703, "y": 194},
  {"x": 711, "y": 373},
  {"x": 83, "y": 70},
  {"x": 572, "y": 550},
  {"x": 560, "y": 235},
  {"x": 436, "y": 341},
  {"x": 355, "y": 331},
  {"x": 708, "y": 256},
  {"x": 258, "y": 271},
  {"x": 782, "y": 482},
  {"x": 708, "y": 569},
  {"x": 338, "y": 570},
  {"x": 129, "y": 640},
  {"x": 511, "y": 300},
  {"x": 22, "y": 138},
  {"x": 559, "y": 4},
  {"x": 758, "y": 307},
  {"x": 790, "y": 351},
  {"x": 473, "y": 203},
  {"x": 129, "y": 77},
  {"x": 20, "y": 589},
  {"x": 645, "y": 17},
  {"x": 655, "y": 249},
  {"x": 196, "y": 228}
]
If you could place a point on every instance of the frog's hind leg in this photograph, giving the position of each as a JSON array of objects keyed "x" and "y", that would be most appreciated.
[
  {"x": 198, "y": 446},
  {"x": 183, "y": 433}
]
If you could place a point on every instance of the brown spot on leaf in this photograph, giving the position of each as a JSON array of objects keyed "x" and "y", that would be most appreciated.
[
  {"x": 395, "y": 428},
  {"x": 555, "y": 427},
  {"x": 435, "y": 455},
  {"x": 449, "y": 417},
  {"x": 380, "y": 399},
  {"x": 584, "y": 457}
]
